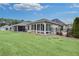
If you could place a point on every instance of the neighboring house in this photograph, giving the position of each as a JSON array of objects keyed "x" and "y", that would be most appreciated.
[
  {"x": 7, "y": 27},
  {"x": 2, "y": 22},
  {"x": 69, "y": 26},
  {"x": 42, "y": 26}
]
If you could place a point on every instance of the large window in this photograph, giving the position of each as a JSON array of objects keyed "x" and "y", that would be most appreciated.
[{"x": 48, "y": 27}]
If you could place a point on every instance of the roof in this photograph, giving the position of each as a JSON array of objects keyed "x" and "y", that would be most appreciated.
[
  {"x": 43, "y": 20},
  {"x": 54, "y": 21},
  {"x": 57, "y": 21},
  {"x": 2, "y": 22},
  {"x": 23, "y": 23},
  {"x": 5, "y": 26}
]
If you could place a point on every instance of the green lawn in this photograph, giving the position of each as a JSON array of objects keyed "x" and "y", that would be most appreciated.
[{"x": 22, "y": 43}]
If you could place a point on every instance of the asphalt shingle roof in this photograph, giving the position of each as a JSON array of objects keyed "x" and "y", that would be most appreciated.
[
  {"x": 54, "y": 21},
  {"x": 58, "y": 22},
  {"x": 24, "y": 23}
]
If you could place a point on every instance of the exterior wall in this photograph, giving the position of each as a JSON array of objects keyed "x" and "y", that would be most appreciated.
[
  {"x": 26, "y": 28},
  {"x": 12, "y": 28},
  {"x": 64, "y": 32},
  {"x": 55, "y": 28},
  {"x": 65, "y": 28},
  {"x": 4, "y": 28},
  {"x": 29, "y": 28}
]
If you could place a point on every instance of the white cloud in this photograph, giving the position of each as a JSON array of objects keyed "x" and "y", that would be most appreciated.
[
  {"x": 2, "y": 5},
  {"x": 10, "y": 7},
  {"x": 6, "y": 4},
  {"x": 23, "y": 6},
  {"x": 75, "y": 5},
  {"x": 63, "y": 14},
  {"x": 29, "y": 6},
  {"x": 67, "y": 12},
  {"x": 71, "y": 12}
]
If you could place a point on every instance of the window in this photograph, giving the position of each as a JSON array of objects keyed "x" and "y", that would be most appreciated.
[
  {"x": 48, "y": 27},
  {"x": 61, "y": 28},
  {"x": 6, "y": 28},
  {"x": 10, "y": 28}
]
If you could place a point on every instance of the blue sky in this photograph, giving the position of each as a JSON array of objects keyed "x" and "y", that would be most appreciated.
[{"x": 35, "y": 11}]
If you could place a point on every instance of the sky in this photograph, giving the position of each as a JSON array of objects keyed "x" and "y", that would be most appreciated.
[{"x": 65, "y": 12}]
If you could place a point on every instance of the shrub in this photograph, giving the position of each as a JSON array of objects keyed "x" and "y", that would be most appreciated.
[
  {"x": 61, "y": 33},
  {"x": 57, "y": 33}
]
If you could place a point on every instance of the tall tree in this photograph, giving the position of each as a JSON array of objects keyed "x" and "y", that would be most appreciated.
[{"x": 75, "y": 29}]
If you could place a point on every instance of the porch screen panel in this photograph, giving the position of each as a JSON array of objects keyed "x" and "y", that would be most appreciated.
[
  {"x": 38, "y": 26},
  {"x": 35, "y": 27},
  {"x": 48, "y": 27},
  {"x": 42, "y": 27},
  {"x": 31, "y": 27}
]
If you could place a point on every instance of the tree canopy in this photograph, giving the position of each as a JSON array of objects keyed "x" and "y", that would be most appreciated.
[{"x": 6, "y": 21}]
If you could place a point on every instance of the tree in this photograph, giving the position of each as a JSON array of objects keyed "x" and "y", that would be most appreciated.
[
  {"x": 75, "y": 28},
  {"x": 22, "y": 20},
  {"x": 7, "y": 21}
]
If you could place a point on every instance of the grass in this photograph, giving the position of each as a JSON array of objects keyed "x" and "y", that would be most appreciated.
[{"x": 28, "y": 44}]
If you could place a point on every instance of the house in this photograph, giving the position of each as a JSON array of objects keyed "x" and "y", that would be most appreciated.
[
  {"x": 42, "y": 26},
  {"x": 69, "y": 26},
  {"x": 7, "y": 27}
]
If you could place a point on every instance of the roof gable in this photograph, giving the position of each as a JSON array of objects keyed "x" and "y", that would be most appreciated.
[{"x": 58, "y": 22}]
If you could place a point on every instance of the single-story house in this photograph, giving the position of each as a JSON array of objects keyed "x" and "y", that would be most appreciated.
[
  {"x": 7, "y": 27},
  {"x": 42, "y": 26}
]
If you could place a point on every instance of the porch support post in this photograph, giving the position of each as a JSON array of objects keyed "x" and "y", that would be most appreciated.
[
  {"x": 36, "y": 28},
  {"x": 44, "y": 28},
  {"x": 17, "y": 28},
  {"x": 33, "y": 28},
  {"x": 40, "y": 28},
  {"x": 30, "y": 28}
]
